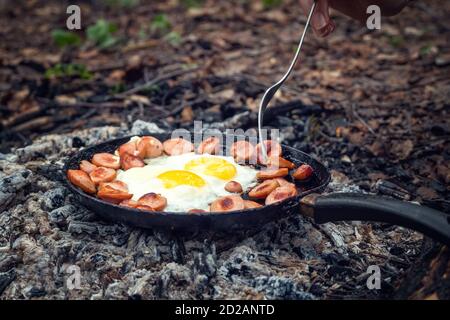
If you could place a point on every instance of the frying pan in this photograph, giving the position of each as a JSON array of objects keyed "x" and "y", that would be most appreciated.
[{"x": 309, "y": 202}]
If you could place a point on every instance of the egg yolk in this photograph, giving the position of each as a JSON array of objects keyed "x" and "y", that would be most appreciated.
[
  {"x": 176, "y": 178},
  {"x": 215, "y": 167}
]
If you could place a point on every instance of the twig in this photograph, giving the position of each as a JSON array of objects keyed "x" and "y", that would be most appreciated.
[
  {"x": 155, "y": 81},
  {"x": 357, "y": 116},
  {"x": 118, "y": 104}
]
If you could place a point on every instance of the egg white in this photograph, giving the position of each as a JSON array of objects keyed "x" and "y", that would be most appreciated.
[{"x": 183, "y": 197}]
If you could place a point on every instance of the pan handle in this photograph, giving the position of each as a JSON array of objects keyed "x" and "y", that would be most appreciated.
[{"x": 363, "y": 207}]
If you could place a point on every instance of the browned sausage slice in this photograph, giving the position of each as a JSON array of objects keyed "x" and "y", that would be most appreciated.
[
  {"x": 273, "y": 149},
  {"x": 102, "y": 174},
  {"x": 279, "y": 162},
  {"x": 282, "y": 182},
  {"x": 144, "y": 208},
  {"x": 129, "y": 148},
  {"x": 149, "y": 147},
  {"x": 155, "y": 201},
  {"x": 262, "y": 190},
  {"x": 129, "y": 203},
  {"x": 210, "y": 145},
  {"x": 304, "y": 172},
  {"x": 281, "y": 193},
  {"x": 227, "y": 203},
  {"x": 110, "y": 194},
  {"x": 107, "y": 160},
  {"x": 249, "y": 204},
  {"x": 128, "y": 161},
  {"x": 196, "y": 211},
  {"x": 87, "y": 167},
  {"x": 177, "y": 146},
  {"x": 233, "y": 187},
  {"x": 117, "y": 185},
  {"x": 272, "y": 173},
  {"x": 242, "y": 151},
  {"x": 82, "y": 180}
]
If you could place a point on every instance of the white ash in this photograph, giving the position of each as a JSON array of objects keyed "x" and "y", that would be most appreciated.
[{"x": 43, "y": 231}]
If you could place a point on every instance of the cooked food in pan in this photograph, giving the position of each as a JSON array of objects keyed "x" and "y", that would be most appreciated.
[{"x": 146, "y": 174}]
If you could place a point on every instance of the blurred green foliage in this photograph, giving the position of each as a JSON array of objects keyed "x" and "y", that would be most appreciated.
[
  {"x": 426, "y": 49},
  {"x": 160, "y": 23},
  {"x": 396, "y": 41},
  {"x": 101, "y": 33},
  {"x": 192, "y": 3},
  {"x": 64, "y": 38},
  {"x": 68, "y": 70},
  {"x": 268, "y": 4},
  {"x": 174, "y": 38},
  {"x": 122, "y": 3}
]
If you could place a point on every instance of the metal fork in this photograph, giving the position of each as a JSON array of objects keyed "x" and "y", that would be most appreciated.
[{"x": 268, "y": 95}]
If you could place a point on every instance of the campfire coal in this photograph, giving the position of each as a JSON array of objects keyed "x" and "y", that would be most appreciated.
[{"x": 45, "y": 232}]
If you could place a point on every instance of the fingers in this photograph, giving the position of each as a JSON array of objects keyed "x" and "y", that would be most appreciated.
[{"x": 320, "y": 20}]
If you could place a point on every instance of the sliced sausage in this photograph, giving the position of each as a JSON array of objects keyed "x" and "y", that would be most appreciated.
[
  {"x": 87, "y": 167},
  {"x": 273, "y": 149},
  {"x": 117, "y": 185},
  {"x": 102, "y": 174},
  {"x": 82, "y": 180},
  {"x": 108, "y": 193},
  {"x": 128, "y": 161},
  {"x": 107, "y": 160},
  {"x": 262, "y": 190},
  {"x": 279, "y": 162},
  {"x": 210, "y": 145},
  {"x": 281, "y": 193},
  {"x": 249, "y": 204},
  {"x": 129, "y": 203},
  {"x": 155, "y": 201},
  {"x": 227, "y": 203},
  {"x": 196, "y": 211},
  {"x": 242, "y": 151},
  {"x": 233, "y": 187},
  {"x": 114, "y": 191},
  {"x": 304, "y": 172},
  {"x": 177, "y": 146},
  {"x": 149, "y": 147},
  {"x": 272, "y": 173},
  {"x": 282, "y": 182}
]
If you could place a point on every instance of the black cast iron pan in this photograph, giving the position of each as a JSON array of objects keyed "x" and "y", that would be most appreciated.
[{"x": 321, "y": 208}]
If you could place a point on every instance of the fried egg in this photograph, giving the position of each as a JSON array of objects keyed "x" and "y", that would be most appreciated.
[{"x": 188, "y": 180}]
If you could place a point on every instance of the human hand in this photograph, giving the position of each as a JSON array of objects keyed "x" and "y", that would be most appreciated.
[
  {"x": 321, "y": 22},
  {"x": 323, "y": 25}
]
